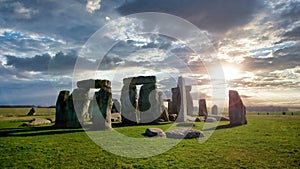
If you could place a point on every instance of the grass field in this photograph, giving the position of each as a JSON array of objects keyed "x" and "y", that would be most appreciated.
[{"x": 265, "y": 142}]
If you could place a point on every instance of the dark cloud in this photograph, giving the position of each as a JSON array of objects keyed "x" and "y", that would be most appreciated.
[
  {"x": 60, "y": 62},
  {"x": 36, "y": 63},
  {"x": 67, "y": 19},
  {"x": 216, "y": 16},
  {"x": 283, "y": 59}
]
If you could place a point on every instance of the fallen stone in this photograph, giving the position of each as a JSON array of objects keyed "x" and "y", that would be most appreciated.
[
  {"x": 184, "y": 134},
  {"x": 198, "y": 119},
  {"x": 115, "y": 117},
  {"x": 220, "y": 118},
  {"x": 154, "y": 132},
  {"x": 172, "y": 117},
  {"x": 210, "y": 119},
  {"x": 37, "y": 121}
]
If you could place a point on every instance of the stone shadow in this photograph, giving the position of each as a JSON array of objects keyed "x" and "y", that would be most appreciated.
[
  {"x": 36, "y": 131},
  {"x": 225, "y": 126}
]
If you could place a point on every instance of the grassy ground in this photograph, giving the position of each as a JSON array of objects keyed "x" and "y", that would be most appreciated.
[{"x": 266, "y": 142}]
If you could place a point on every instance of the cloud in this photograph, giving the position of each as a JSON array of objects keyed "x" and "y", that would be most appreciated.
[
  {"x": 215, "y": 16},
  {"x": 93, "y": 5},
  {"x": 36, "y": 63}
]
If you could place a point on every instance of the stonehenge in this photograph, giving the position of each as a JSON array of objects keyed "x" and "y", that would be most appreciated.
[
  {"x": 142, "y": 108},
  {"x": 71, "y": 109},
  {"x": 140, "y": 103}
]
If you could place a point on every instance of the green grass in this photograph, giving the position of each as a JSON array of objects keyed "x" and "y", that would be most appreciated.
[
  {"x": 266, "y": 142},
  {"x": 12, "y": 112}
]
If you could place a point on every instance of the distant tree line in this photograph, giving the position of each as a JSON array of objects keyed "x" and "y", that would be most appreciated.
[{"x": 266, "y": 109}]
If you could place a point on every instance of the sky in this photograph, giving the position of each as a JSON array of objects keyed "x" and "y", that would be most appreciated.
[{"x": 257, "y": 44}]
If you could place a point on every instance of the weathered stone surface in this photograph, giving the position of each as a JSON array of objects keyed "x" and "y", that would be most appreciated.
[
  {"x": 184, "y": 134},
  {"x": 36, "y": 122},
  {"x": 237, "y": 110},
  {"x": 71, "y": 116},
  {"x": 154, "y": 132},
  {"x": 148, "y": 104},
  {"x": 102, "y": 119},
  {"x": 164, "y": 114},
  {"x": 202, "y": 108},
  {"x": 182, "y": 115},
  {"x": 214, "y": 110},
  {"x": 139, "y": 80},
  {"x": 31, "y": 112},
  {"x": 176, "y": 100},
  {"x": 172, "y": 117},
  {"x": 115, "y": 117},
  {"x": 61, "y": 106},
  {"x": 65, "y": 116},
  {"x": 210, "y": 120},
  {"x": 129, "y": 104},
  {"x": 189, "y": 101},
  {"x": 81, "y": 101},
  {"x": 92, "y": 83}
]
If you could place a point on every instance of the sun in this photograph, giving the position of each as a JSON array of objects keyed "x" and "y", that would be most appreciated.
[{"x": 231, "y": 73}]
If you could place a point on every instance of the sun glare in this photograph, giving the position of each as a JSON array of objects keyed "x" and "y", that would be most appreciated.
[{"x": 231, "y": 73}]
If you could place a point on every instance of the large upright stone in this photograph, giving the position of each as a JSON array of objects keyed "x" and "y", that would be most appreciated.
[
  {"x": 148, "y": 104},
  {"x": 128, "y": 102},
  {"x": 237, "y": 110},
  {"x": 189, "y": 101},
  {"x": 102, "y": 119},
  {"x": 163, "y": 111},
  {"x": 176, "y": 100},
  {"x": 71, "y": 115},
  {"x": 214, "y": 110},
  {"x": 81, "y": 101},
  {"x": 202, "y": 108},
  {"x": 61, "y": 108},
  {"x": 182, "y": 115}
]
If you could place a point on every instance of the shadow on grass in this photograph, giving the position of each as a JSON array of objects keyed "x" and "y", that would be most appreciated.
[
  {"x": 118, "y": 125},
  {"x": 225, "y": 126},
  {"x": 50, "y": 130},
  {"x": 36, "y": 131}
]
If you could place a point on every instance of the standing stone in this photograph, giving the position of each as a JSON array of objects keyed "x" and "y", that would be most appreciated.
[
  {"x": 102, "y": 119},
  {"x": 31, "y": 112},
  {"x": 128, "y": 102},
  {"x": 71, "y": 116},
  {"x": 237, "y": 110},
  {"x": 202, "y": 108},
  {"x": 169, "y": 105},
  {"x": 61, "y": 108},
  {"x": 81, "y": 101},
  {"x": 189, "y": 100},
  {"x": 176, "y": 100},
  {"x": 214, "y": 110},
  {"x": 164, "y": 115},
  {"x": 148, "y": 104},
  {"x": 182, "y": 115}
]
